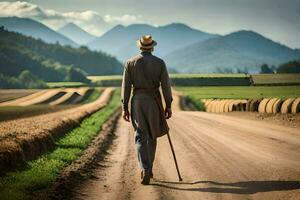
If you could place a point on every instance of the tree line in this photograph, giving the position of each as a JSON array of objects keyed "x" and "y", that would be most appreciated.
[
  {"x": 289, "y": 67},
  {"x": 31, "y": 60}
]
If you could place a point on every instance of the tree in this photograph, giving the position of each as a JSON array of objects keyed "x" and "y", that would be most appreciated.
[
  {"x": 31, "y": 81},
  {"x": 289, "y": 67},
  {"x": 265, "y": 69}
]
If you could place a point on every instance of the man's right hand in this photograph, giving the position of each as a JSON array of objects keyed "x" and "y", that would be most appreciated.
[
  {"x": 126, "y": 115},
  {"x": 168, "y": 113}
]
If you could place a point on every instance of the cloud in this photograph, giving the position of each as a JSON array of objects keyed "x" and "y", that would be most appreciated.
[
  {"x": 124, "y": 19},
  {"x": 88, "y": 20}
]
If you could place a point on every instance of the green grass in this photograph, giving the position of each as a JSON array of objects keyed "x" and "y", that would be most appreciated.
[
  {"x": 208, "y": 75},
  {"x": 243, "y": 92},
  {"x": 65, "y": 84},
  {"x": 100, "y": 78},
  {"x": 95, "y": 94},
  {"x": 276, "y": 79},
  {"x": 41, "y": 172},
  {"x": 183, "y": 79}
]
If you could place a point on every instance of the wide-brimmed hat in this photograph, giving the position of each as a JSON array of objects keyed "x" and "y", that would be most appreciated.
[{"x": 146, "y": 42}]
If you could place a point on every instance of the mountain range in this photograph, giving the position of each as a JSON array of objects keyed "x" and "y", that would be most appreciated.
[
  {"x": 35, "y": 29},
  {"x": 75, "y": 33},
  {"x": 184, "y": 49},
  {"x": 120, "y": 40},
  {"x": 236, "y": 51},
  {"x": 187, "y": 50}
]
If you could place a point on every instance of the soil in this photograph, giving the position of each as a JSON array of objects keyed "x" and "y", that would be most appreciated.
[
  {"x": 24, "y": 139},
  {"x": 288, "y": 120},
  {"x": 220, "y": 157},
  {"x": 17, "y": 112},
  {"x": 10, "y": 94}
]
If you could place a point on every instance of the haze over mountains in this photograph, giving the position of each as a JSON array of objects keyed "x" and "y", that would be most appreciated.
[
  {"x": 75, "y": 33},
  {"x": 184, "y": 49},
  {"x": 121, "y": 40},
  {"x": 35, "y": 29},
  {"x": 236, "y": 51},
  {"x": 188, "y": 50}
]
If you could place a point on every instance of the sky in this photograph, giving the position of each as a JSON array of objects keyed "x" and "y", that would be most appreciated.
[{"x": 278, "y": 20}]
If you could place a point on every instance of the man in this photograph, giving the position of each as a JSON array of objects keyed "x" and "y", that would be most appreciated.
[{"x": 145, "y": 73}]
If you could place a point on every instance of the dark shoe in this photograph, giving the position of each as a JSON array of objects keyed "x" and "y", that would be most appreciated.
[
  {"x": 145, "y": 178},
  {"x": 142, "y": 174},
  {"x": 151, "y": 174}
]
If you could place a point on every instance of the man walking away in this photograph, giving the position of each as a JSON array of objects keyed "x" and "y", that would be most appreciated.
[{"x": 145, "y": 73}]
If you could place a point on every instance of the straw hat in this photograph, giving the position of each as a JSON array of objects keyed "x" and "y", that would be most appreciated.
[{"x": 146, "y": 42}]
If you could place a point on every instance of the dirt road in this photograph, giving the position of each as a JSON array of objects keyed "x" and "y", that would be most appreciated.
[{"x": 220, "y": 157}]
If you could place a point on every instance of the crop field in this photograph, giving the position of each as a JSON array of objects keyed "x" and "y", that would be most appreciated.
[
  {"x": 212, "y": 79},
  {"x": 263, "y": 99},
  {"x": 14, "y": 112},
  {"x": 276, "y": 79},
  {"x": 65, "y": 84},
  {"x": 58, "y": 96},
  {"x": 46, "y": 101},
  {"x": 183, "y": 79},
  {"x": 244, "y": 92},
  {"x": 10, "y": 94},
  {"x": 40, "y": 172},
  {"x": 45, "y": 132}
]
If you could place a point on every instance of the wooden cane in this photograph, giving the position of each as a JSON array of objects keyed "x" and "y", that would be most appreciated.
[
  {"x": 169, "y": 138},
  {"x": 174, "y": 156}
]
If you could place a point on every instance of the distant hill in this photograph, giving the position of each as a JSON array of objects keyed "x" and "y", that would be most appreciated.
[
  {"x": 51, "y": 62},
  {"x": 121, "y": 40},
  {"x": 235, "y": 51},
  {"x": 35, "y": 29},
  {"x": 76, "y": 34}
]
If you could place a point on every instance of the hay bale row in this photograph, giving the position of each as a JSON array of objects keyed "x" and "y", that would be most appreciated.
[
  {"x": 277, "y": 105},
  {"x": 296, "y": 106},
  {"x": 266, "y": 105},
  {"x": 224, "y": 105}
]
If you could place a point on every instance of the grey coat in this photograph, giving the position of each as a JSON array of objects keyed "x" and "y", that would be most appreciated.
[{"x": 146, "y": 72}]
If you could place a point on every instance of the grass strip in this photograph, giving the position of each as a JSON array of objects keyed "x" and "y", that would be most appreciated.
[
  {"x": 65, "y": 84},
  {"x": 95, "y": 94},
  {"x": 240, "y": 92},
  {"x": 39, "y": 173}
]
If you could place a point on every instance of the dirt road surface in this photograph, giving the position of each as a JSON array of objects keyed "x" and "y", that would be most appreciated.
[{"x": 220, "y": 157}]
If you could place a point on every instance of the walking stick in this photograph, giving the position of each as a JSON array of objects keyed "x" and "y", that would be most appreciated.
[
  {"x": 169, "y": 138},
  {"x": 174, "y": 156}
]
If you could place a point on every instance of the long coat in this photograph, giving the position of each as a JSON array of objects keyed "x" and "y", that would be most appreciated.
[{"x": 146, "y": 72}]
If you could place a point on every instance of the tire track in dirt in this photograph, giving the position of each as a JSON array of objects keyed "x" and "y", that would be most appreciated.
[{"x": 220, "y": 157}]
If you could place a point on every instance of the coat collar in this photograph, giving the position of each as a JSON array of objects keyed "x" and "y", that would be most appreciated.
[{"x": 145, "y": 53}]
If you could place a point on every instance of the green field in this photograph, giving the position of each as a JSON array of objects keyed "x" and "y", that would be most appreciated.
[
  {"x": 209, "y": 75},
  {"x": 276, "y": 79},
  {"x": 183, "y": 79},
  {"x": 65, "y": 84},
  {"x": 13, "y": 112},
  {"x": 39, "y": 173},
  {"x": 212, "y": 79},
  {"x": 241, "y": 92}
]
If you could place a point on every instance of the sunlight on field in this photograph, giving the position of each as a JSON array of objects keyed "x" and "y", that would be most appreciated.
[
  {"x": 275, "y": 79},
  {"x": 65, "y": 84},
  {"x": 245, "y": 92},
  {"x": 98, "y": 78}
]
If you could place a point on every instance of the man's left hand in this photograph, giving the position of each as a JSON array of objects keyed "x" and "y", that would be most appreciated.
[{"x": 126, "y": 115}]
